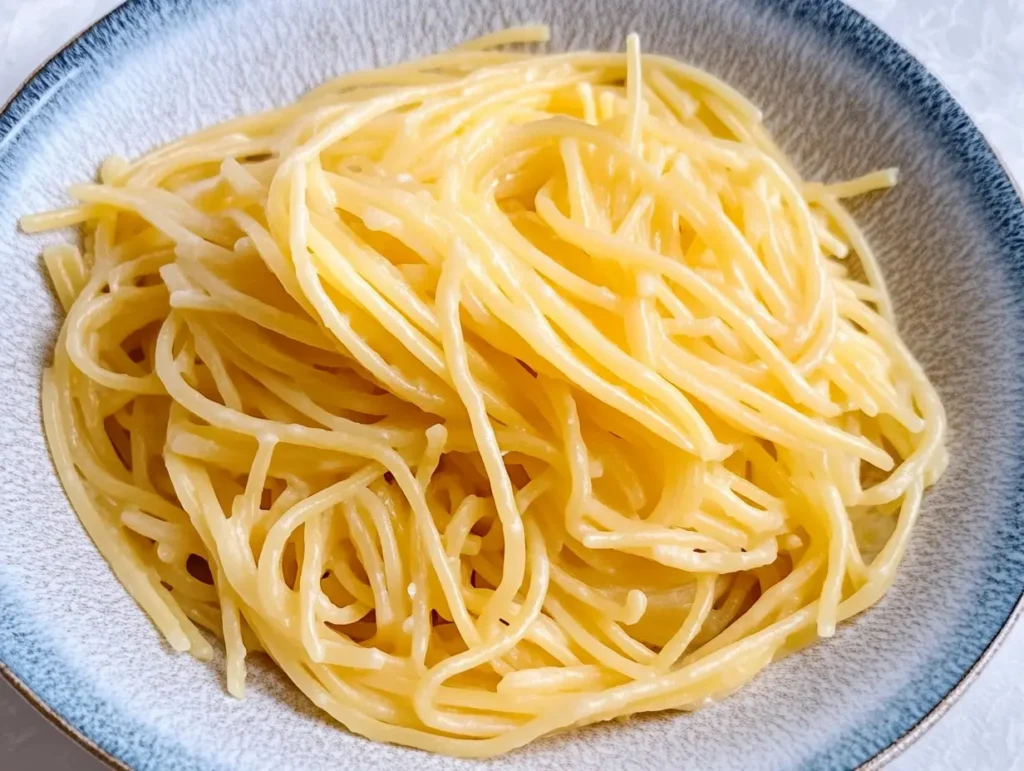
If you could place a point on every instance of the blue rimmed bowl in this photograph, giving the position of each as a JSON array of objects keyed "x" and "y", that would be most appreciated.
[{"x": 841, "y": 97}]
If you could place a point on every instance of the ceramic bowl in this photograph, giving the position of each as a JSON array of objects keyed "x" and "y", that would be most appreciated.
[{"x": 841, "y": 97}]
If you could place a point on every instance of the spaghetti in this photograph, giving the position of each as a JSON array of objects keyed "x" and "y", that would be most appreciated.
[{"x": 488, "y": 394}]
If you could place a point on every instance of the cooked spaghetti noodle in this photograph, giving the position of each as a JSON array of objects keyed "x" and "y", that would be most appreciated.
[{"x": 488, "y": 394}]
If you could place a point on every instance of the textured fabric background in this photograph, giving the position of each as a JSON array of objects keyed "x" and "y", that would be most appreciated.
[{"x": 973, "y": 46}]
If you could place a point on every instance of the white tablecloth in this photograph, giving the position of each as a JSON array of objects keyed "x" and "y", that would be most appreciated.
[{"x": 974, "y": 46}]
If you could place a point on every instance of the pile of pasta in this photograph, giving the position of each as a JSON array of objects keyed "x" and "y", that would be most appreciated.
[{"x": 488, "y": 394}]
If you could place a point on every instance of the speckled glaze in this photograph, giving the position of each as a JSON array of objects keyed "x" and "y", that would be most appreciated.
[{"x": 841, "y": 97}]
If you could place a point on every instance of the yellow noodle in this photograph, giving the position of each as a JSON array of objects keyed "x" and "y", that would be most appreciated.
[{"x": 490, "y": 394}]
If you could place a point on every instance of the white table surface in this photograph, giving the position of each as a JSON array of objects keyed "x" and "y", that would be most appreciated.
[{"x": 976, "y": 47}]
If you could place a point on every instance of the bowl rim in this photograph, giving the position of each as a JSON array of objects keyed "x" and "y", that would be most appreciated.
[{"x": 846, "y": 26}]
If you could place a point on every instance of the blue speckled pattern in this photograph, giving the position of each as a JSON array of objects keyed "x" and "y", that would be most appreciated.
[{"x": 841, "y": 97}]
